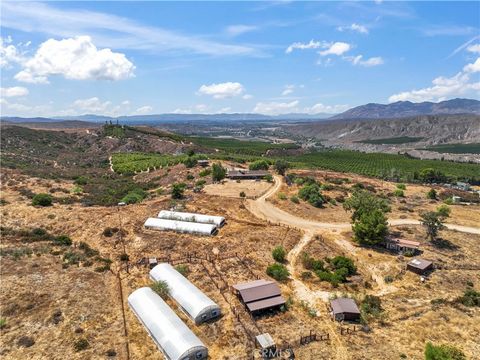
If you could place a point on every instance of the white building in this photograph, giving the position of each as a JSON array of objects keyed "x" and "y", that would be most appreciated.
[
  {"x": 181, "y": 226},
  {"x": 198, "y": 306},
  {"x": 172, "y": 336},
  {"x": 191, "y": 217}
]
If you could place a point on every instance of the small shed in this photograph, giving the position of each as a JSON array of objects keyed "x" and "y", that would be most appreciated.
[
  {"x": 456, "y": 199},
  {"x": 402, "y": 245},
  {"x": 247, "y": 174},
  {"x": 268, "y": 349},
  {"x": 344, "y": 309},
  {"x": 203, "y": 163},
  {"x": 260, "y": 295},
  {"x": 419, "y": 266}
]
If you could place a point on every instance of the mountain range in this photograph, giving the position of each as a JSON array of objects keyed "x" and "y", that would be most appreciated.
[{"x": 395, "y": 110}]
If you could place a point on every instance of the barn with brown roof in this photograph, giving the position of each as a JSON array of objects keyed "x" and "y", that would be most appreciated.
[
  {"x": 260, "y": 295},
  {"x": 344, "y": 309}
]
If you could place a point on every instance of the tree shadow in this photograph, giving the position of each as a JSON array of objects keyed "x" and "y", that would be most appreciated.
[{"x": 444, "y": 244}]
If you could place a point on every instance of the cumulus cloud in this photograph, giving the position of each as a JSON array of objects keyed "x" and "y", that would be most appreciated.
[
  {"x": 222, "y": 90},
  {"x": 354, "y": 27},
  {"x": 303, "y": 46},
  {"x": 276, "y": 108},
  {"x": 9, "y": 53},
  {"x": 444, "y": 87},
  {"x": 474, "y": 48},
  {"x": 74, "y": 58},
  {"x": 13, "y": 91},
  {"x": 358, "y": 60},
  {"x": 328, "y": 109},
  {"x": 92, "y": 105},
  {"x": 247, "y": 97},
  {"x": 337, "y": 48},
  {"x": 143, "y": 110}
]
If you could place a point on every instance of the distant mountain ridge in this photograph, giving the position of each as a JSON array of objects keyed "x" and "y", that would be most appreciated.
[{"x": 402, "y": 109}]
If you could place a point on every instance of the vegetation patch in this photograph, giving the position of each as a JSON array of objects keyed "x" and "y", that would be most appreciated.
[
  {"x": 392, "y": 141},
  {"x": 473, "y": 148}
]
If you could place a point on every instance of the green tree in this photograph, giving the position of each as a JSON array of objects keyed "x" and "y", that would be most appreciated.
[
  {"x": 339, "y": 262},
  {"x": 278, "y": 253},
  {"x": 371, "y": 228},
  {"x": 433, "y": 223},
  {"x": 42, "y": 199},
  {"x": 278, "y": 272},
  {"x": 364, "y": 202},
  {"x": 432, "y": 194},
  {"x": 312, "y": 194},
  {"x": 259, "y": 165},
  {"x": 443, "y": 211},
  {"x": 430, "y": 175},
  {"x": 443, "y": 352},
  {"x": 178, "y": 190},
  {"x": 218, "y": 172},
  {"x": 190, "y": 162},
  {"x": 281, "y": 166}
]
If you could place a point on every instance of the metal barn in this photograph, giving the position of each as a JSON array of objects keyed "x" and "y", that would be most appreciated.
[
  {"x": 181, "y": 226},
  {"x": 198, "y": 306},
  {"x": 172, "y": 336},
  {"x": 192, "y": 217}
]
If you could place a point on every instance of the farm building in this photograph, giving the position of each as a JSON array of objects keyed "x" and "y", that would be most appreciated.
[
  {"x": 402, "y": 245},
  {"x": 192, "y": 301},
  {"x": 260, "y": 295},
  {"x": 419, "y": 266},
  {"x": 203, "y": 163},
  {"x": 247, "y": 174},
  {"x": 268, "y": 349},
  {"x": 344, "y": 309},
  {"x": 191, "y": 217},
  {"x": 172, "y": 336},
  {"x": 181, "y": 226}
]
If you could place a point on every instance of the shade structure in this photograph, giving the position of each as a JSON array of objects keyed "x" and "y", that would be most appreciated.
[
  {"x": 192, "y": 217},
  {"x": 198, "y": 306},
  {"x": 181, "y": 226},
  {"x": 172, "y": 336}
]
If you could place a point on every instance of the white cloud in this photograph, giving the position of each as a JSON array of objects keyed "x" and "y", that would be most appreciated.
[
  {"x": 247, "y": 97},
  {"x": 13, "y": 91},
  {"x": 337, "y": 48},
  {"x": 92, "y": 105},
  {"x": 235, "y": 30},
  {"x": 288, "y": 89},
  {"x": 110, "y": 30},
  {"x": 357, "y": 60},
  {"x": 9, "y": 54},
  {"x": 354, "y": 27},
  {"x": 303, "y": 46},
  {"x": 276, "y": 108},
  {"x": 328, "y": 109},
  {"x": 443, "y": 87},
  {"x": 222, "y": 90},
  {"x": 75, "y": 58},
  {"x": 143, "y": 110},
  {"x": 474, "y": 48}
]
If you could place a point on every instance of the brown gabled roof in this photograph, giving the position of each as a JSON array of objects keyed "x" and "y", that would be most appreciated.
[
  {"x": 420, "y": 263},
  {"x": 259, "y": 292},
  {"x": 248, "y": 285},
  {"x": 265, "y": 303},
  {"x": 344, "y": 305}
]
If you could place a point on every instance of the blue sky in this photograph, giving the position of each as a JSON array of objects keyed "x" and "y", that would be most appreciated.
[{"x": 122, "y": 58}]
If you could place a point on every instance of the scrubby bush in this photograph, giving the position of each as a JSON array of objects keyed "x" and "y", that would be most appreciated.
[
  {"x": 281, "y": 166},
  {"x": 470, "y": 298},
  {"x": 444, "y": 211},
  {"x": 339, "y": 262},
  {"x": 399, "y": 193},
  {"x": 268, "y": 178},
  {"x": 178, "y": 190},
  {"x": 183, "y": 269},
  {"x": 278, "y": 253},
  {"x": 42, "y": 199},
  {"x": 311, "y": 263},
  {"x": 432, "y": 194},
  {"x": 81, "y": 180},
  {"x": 278, "y": 271},
  {"x": 218, "y": 172},
  {"x": 295, "y": 200},
  {"x": 312, "y": 194},
  {"x": 80, "y": 344},
  {"x": 205, "y": 172},
  {"x": 190, "y": 162},
  {"x": 62, "y": 240},
  {"x": 161, "y": 288},
  {"x": 282, "y": 196},
  {"x": 200, "y": 183},
  {"x": 242, "y": 194},
  {"x": 443, "y": 352},
  {"x": 134, "y": 196},
  {"x": 124, "y": 257},
  {"x": 401, "y": 186},
  {"x": 87, "y": 249},
  {"x": 259, "y": 165}
]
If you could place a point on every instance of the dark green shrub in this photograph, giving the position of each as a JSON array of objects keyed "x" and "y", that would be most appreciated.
[
  {"x": 278, "y": 254},
  {"x": 259, "y": 165},
  {"x": 178, "y": 190},
  {"x": 295, "y": 200},
  {"x": 80, "y": 344},
  {"x": 470, "y": 298},
  {"x": 242, "y": 194},
  {"x": 218, "y": 172},
  {"x": 62, "y": 240},
  {"x": 42, "y": 200},
  {"x": 183, "y": 269},
  {"x": 81, "y": 180},
  {"x": 432, "y": 194},
  {"x": 278, "y": 271},
  {"x": 312, "y": 194},
  {"x": 161, "y": 288},
  {"x": 443, "y": 352}
]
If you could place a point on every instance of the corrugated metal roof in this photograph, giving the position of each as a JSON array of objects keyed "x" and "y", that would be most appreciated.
[
  {"x": 193, "y": 301},
  {"x": 170, "y": 334},
  {"x": 181, "y": 226},
  {"x": 344, "y": 305},
  {"x": 265, "y": 340},
  {"x": 248, "y": 285},
  {"x": 265, "y": 303},
  {"x": 259, "y": 292},
  {"x": 191, "y": 217},
  {"x": 420, "y": 263}
]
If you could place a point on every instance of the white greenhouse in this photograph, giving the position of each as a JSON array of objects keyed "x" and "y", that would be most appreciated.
[
  {"x": 172, "y": 336},
  {"x": 193, "y": 302},
  {"x": 181, "y": 226},
  {"x": 191, "y": 217}
]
